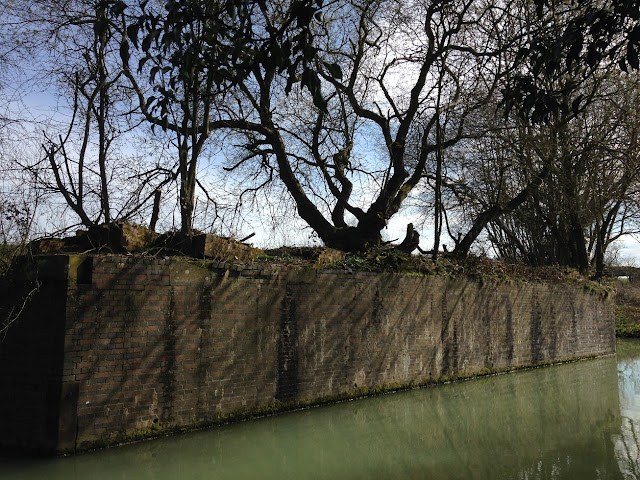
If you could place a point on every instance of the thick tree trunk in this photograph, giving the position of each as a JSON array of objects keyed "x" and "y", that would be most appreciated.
[
  {"x": 187, "y": 193},
  {"x": 356, "y": 239},
  {"x": 186, "y": 212},
  {"x": 186, "y": 209},
  {"x": 578, "y": 244}
]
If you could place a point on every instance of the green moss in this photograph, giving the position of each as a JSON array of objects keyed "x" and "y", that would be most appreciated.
[
  {"x": 204, "y": 264},
  {"x": 602, "y": 289},
  {"x": 274, "y": 258}
]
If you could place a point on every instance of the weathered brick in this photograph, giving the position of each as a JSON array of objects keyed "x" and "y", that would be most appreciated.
[{"x": 143, "y": 346}]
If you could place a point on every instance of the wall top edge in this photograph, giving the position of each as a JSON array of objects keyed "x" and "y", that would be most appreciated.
[{"x": 64, "y": 265}]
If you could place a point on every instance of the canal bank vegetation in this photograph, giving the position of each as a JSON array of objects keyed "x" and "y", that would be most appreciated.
[
  {"x": 124, "y": 238},
  {"x": 627, "y": 310}
]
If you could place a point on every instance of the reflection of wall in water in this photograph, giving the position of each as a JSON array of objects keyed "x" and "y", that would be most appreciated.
[{"x": 552, "y": 423}]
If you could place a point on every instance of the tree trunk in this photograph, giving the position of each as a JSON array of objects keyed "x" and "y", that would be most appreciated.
[
  {"x": 357, "y": 239},
  {"x": 156, "y": 210},
  {"x": 437, "y": 230},
  {"x": 601, "y": 239},
  {"x": 599, "y": 256},
  {"x": 463, "y": 247},
  {"x": 187, "y": 192},
  {"x": 186, "y": 210},
  {"x": 102, "y": 120},
  {"x": 411, "y": 240},
  {"x": 578, "y": 243}
]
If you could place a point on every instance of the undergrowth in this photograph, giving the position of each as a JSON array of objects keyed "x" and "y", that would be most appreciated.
[{"x": 627, "y": 310}]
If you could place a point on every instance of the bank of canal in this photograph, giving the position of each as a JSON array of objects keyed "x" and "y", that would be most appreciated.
[{"x": 573, "y": 421}]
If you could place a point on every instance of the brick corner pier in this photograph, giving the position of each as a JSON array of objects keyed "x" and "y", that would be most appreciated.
[{"x": 113, "y": 348}]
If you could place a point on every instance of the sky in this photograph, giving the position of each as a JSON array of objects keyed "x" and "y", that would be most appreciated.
[
  {"x": 297, "y": 233},
  {"x": 629, "y": 251},
  {"x": 40, "y": 102}
]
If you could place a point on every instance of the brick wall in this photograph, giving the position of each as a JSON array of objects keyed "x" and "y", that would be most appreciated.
[{"x": 140, "y": 345}]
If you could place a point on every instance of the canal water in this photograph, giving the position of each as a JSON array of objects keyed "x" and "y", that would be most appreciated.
[{"x": 574, "y": 421}]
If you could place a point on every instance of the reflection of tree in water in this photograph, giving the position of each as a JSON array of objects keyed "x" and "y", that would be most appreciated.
[
  {"x": 627, "y": 442},
  {"x": 627, "y": 448},
  {"x": 597, "y": 462}
]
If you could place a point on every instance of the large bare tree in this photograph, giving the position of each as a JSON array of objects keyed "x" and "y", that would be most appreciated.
[
  {"x": 321, "y": 87},
  {"x": 589, "y": 199}
]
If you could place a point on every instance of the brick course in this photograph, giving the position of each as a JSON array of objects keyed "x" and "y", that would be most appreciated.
[{"x": 116, "y": 346}]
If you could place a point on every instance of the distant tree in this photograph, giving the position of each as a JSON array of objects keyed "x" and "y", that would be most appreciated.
[{"x": 71, "y": 51}]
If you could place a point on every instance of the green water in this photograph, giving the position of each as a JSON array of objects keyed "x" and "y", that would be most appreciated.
[{"x": 574, "y": 421}]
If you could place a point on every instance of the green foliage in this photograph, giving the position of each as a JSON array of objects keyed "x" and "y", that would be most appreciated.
[
  {"x": 224, "y": 42},
  {"x": 626, "y": 326},
  {"x": 599, "y": 288},
  {"x": 629, "y": 330},
  {"x": 627, "y": 310},
  {"x": 592, "y": 33}
]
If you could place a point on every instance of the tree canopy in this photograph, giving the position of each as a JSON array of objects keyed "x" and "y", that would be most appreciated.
[
  {"x": 487, "y": 118},
  {"x": 574, "y": 38}
]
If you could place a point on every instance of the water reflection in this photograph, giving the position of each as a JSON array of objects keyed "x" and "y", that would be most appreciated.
[
  {"x": 554, "y": 423},
  {"x": 627, "y": 443}
]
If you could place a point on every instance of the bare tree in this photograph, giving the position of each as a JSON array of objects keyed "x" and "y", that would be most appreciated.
[
  {"x": 588, "y": 198},
  {"x": 74, "y": 54},
  {"x": 377, "y": 67}
]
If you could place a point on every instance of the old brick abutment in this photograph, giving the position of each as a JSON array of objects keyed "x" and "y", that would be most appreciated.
[{"x": 118, "y": 347}]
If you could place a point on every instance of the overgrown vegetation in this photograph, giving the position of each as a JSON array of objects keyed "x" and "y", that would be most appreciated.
[
  {"x": 627, "y": 310},
  {"x": 392, "y": 260}
]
